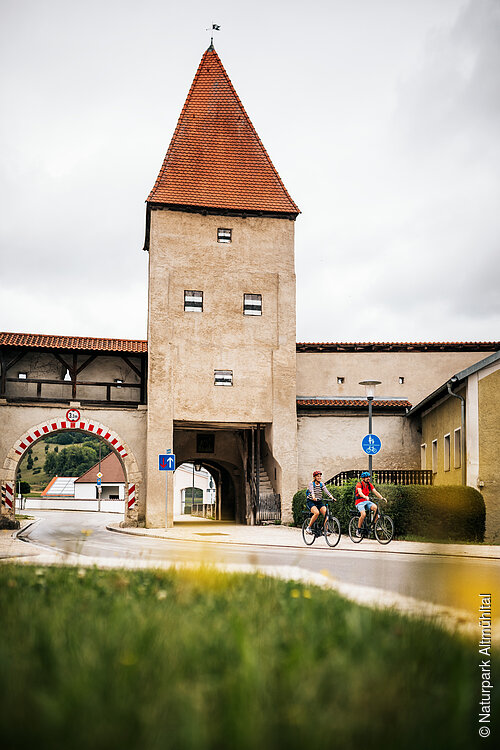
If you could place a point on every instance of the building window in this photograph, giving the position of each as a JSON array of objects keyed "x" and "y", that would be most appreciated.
[
  {"x": 252, "y": 304},
  {"x": 118, "y": 382},
  {"x": 193, "y": 301},
  {"x": 205, "y": 442},
  {"x": 401, "y": 380},
  {"x": 434, "y": 456},
  {"x": 423, "y": 456},
  {"x": 340, "y": 381},
  {"x": 447, "y": 451},
  {"x": 224, "y": 235},
  {"x": 22, "y": 375},
  {"x": 457, "y": 448},
  {"x": 223, "y": 377}
]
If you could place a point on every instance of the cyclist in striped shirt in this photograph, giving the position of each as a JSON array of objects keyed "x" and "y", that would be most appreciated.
[{"x": 314, "y": 499}]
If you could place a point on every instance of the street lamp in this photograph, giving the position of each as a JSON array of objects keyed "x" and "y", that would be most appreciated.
[
  {"x": 196, "y": 467},
  {"x": 370, "y": 386}
]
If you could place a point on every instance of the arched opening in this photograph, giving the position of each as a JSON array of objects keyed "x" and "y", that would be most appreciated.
[
  {"x": 214, "y": 492},
  {"x": 132, "y": 479}
]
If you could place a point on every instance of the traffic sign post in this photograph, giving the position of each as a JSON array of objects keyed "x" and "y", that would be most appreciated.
[
  {"x": 166, "y": 462},
  {"x": 371, "y": 444}
]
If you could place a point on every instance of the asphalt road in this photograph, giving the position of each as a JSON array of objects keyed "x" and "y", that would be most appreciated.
[{"x": 439, "y": 579}]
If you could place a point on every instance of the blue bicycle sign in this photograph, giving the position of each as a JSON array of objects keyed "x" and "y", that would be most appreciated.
[{"x": 371, "y": 444}]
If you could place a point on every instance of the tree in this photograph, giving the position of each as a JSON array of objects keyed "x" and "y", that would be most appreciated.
[{"x": 72, "y": 461}]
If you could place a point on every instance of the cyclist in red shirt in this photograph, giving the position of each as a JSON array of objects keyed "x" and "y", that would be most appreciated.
[{"x": 362, "y": 497}]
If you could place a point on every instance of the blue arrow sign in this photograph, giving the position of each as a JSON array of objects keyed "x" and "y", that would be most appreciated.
[
  {"x": 166, "y": 462},
  {"x": 371, "y": 444}
]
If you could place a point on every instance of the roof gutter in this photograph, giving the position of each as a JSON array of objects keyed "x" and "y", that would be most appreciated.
[{"x": 463, "y": 450}]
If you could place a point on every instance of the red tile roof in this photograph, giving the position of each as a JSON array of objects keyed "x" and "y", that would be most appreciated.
[
  {"x": 111, "y": 470},
  {"x": 399, "y": 346},
  {"x": 344, "y": 403},
  {"x": 215, "y": 158},
  {"x": 132, "y": 346}
]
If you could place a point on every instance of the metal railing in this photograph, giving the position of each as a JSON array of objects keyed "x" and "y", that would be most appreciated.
[
  {"x": 386, "y": 476},
  {"x": 203, "y": 510},
  {"x": 269, "y": 508}
]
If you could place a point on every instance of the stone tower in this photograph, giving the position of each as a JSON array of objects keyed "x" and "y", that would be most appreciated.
[{"x": 221, "y": 325}]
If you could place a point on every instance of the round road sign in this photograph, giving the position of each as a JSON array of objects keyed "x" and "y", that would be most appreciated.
[{"x": 72, "y": 415}]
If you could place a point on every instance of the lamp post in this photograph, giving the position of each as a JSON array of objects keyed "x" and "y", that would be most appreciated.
[
  {"x": 370, "y": 386},
  {"x": 196, "y": 467}
]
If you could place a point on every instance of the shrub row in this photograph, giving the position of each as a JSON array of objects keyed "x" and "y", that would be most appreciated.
[{"x": 454, "y": 513}]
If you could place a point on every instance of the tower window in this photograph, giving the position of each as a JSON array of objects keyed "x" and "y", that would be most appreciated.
[
  {"x": 193, "y": 301},
  {"x": 223, "y": 377},
  {"x": 340, "y": 381},
  {"x": 252, "y": 304},
  {"x": 401, "y": 380},
  {"x": 224, "y": 235}
]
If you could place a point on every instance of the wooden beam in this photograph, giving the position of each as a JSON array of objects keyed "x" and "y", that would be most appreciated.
[
  {"x": 86, "y": 363},
  {"x": 131, "y": 365}
]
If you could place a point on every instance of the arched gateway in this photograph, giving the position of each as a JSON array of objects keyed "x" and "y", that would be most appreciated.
[{"x": 73, "y": 421}]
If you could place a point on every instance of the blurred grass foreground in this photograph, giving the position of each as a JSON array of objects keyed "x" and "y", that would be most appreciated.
[{"x": 183, "y": 659}]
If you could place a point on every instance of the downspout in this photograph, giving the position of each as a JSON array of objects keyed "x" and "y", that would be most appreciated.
[{"x": 462, "y": 429}]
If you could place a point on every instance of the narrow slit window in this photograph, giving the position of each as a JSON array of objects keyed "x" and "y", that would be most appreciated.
[
  {"x": 340, "y": 381},
  {"x": 401, "y": 380},
  {"x": 224, "y": 235},
  {"x": 252, "y": 304},
  {"x": 223, "y": 377},
  {"x": 447, "y": 451},
  {"x": 457, "y": 449},
  {"x": 423, "y": 456},
  {"x": 193, "y": 301}
]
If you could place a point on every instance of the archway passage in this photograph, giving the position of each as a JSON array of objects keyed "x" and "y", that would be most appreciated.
[
  {"x": 72, "y": 421},
  {"x": 224, "y": 499}
]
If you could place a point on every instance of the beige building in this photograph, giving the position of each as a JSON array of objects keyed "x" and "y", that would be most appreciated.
[
  {"x": 221, "y": 327},
  {"x": 460, "y": 434}
]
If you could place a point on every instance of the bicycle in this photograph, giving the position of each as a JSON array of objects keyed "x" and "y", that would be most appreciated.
[
  {"x": 382, "y": 528},
  {"x": 330, "y": 529}
]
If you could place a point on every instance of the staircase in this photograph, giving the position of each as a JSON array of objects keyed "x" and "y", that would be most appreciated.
[
  {"x": 269, "y": 509},
  {"x": 265, "y": 486}
]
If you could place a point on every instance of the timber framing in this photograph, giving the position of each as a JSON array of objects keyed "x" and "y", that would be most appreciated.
[{"x": 73, "y": 362}]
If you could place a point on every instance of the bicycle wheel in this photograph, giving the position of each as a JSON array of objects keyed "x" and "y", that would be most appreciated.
[
  {"x": 308, "y": 538},
  {"x": 384, "y": 529},
  {"x": 332, "y": 531},
  {"x": 353, "y": 530}
]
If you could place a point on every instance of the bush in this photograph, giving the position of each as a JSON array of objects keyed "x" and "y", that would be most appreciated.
[
  {"x": 24, "y": 487},
  {"x": 453, "y": 513}
]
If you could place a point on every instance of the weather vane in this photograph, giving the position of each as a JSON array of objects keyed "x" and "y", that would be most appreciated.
[{"x": 215, "y": 27}]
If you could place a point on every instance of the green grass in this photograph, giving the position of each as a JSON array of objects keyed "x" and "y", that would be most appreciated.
[{"x": 150, "y": 660}]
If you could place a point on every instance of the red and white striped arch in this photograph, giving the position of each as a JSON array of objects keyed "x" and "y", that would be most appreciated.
[
  {"x": 89, "y": 425},
  {"x": 92, "y": 426}
]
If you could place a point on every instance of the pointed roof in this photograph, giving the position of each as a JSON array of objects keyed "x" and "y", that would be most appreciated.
[
  {"x": 215, "y": 159},
  {"x": 111, "y": 470}
]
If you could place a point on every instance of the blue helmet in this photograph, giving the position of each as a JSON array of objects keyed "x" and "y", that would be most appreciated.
[{"x": 365, "y": 474}]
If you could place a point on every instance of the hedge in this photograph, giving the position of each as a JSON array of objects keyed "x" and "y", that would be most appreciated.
[{"x": 453, "y": 513}]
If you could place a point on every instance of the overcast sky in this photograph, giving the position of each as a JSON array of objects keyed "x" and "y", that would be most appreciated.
[{"x": 381, "y": 116}]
